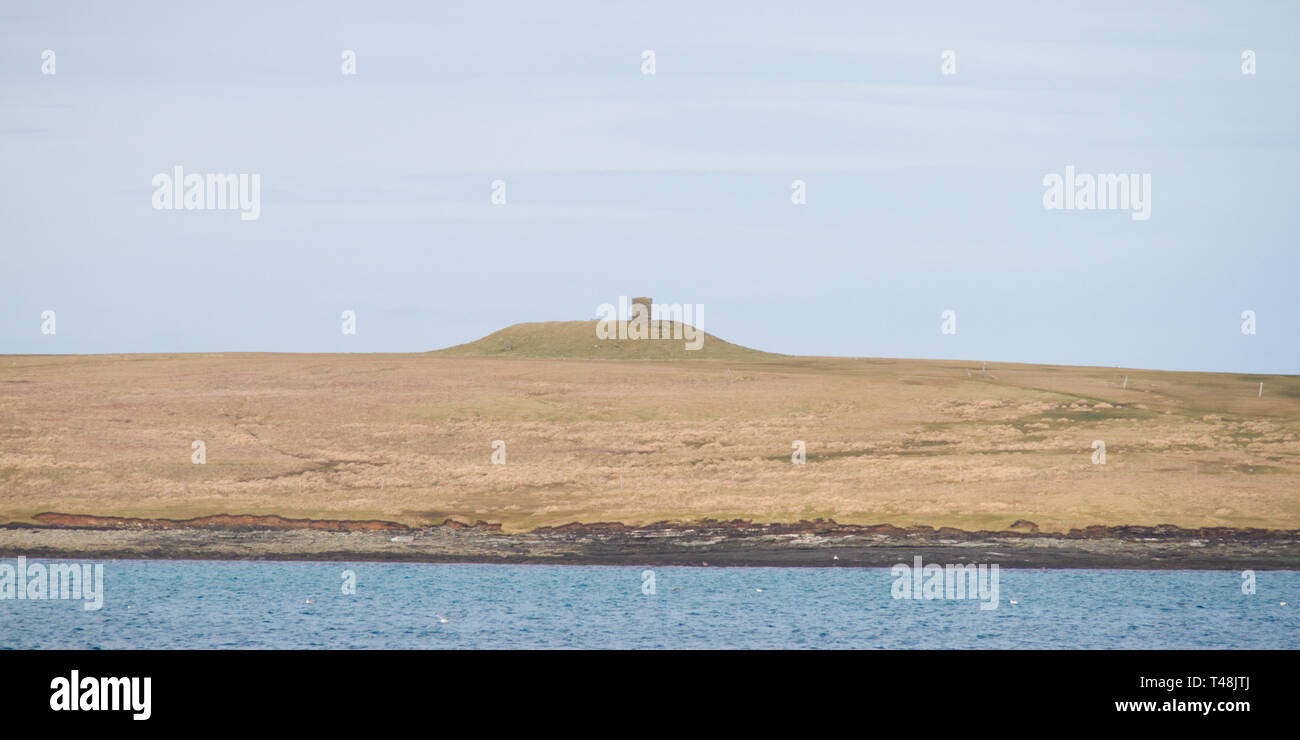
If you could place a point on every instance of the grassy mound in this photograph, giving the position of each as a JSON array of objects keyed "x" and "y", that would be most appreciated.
[{"x": 577, "y": 340}]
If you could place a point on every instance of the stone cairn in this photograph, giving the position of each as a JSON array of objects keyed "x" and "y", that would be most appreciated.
[{"x": 649, "y": 305}]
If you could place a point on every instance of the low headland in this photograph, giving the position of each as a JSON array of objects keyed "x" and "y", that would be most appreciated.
[{"x": 544, "y": 443}]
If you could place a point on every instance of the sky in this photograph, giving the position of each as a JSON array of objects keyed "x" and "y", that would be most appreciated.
[{"x": 924, "y": 189}]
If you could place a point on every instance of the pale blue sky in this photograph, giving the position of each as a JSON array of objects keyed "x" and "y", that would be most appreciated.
[{"x": 924, "y": 190}]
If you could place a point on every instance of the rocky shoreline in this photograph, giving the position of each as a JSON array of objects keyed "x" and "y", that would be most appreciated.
[{"x": 713, "y": 543}]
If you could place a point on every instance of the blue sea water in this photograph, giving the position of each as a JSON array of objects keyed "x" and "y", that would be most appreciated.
[{"x": 199, "y": 604}]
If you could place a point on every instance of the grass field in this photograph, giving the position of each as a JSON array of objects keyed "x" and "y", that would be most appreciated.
[{"x": 684, "y": 436}]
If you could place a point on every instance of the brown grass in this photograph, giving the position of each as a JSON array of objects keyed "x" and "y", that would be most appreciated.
[{"x": 409, "y": 438}]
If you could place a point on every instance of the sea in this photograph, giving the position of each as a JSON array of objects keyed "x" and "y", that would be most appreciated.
[{"x": 364, "y": 605}]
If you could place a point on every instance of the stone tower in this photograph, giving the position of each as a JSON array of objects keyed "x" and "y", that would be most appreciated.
[{"x": 647, "y": 302}]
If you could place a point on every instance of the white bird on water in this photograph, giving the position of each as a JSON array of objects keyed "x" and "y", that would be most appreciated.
[{"x": 442, "y": 619}]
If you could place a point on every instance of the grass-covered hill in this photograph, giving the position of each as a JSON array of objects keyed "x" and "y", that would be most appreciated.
[{"x": 578, "y": 340}]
